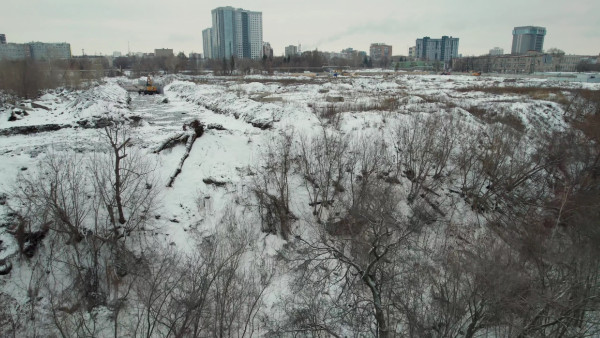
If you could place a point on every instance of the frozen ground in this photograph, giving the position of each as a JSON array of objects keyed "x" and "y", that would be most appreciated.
[{"x": 241, "y": 116}]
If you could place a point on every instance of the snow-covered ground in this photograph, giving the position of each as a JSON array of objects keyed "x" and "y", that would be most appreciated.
[{"x": 241, "y": 117}]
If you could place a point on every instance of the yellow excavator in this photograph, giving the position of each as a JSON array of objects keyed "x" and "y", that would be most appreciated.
[{"x": 150, "y": 88}]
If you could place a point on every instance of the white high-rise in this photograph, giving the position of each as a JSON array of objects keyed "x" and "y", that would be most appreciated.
[
  {"x": 236, "y": 32},
  {"x": 207, "y": 39}
]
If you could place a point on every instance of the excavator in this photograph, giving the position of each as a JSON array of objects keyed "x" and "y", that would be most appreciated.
[{"x": 150, "y": 88}]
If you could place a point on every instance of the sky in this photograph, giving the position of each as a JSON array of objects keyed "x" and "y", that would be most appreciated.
[{"x": 105, "y": 26}]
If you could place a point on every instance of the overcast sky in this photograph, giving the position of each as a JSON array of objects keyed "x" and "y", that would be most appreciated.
[{"x": 104, "y": 26}]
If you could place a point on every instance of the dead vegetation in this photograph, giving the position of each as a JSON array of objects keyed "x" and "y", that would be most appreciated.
[
  {"x": 330, "y": 109},
  {"x": 497, "y": 116},
  {"x": 561, "y": 96},
  {"x": 270, "y": 80}
]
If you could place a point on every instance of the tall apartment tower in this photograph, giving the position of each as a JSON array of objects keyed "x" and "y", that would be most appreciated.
[
  {"x": 207, "y": 43},
  {"x": 444, "y": 49},
  {"x": 2, "y": 39},
  {"x": 528, "y": 38},
  {"x": 236, "y": 32}
]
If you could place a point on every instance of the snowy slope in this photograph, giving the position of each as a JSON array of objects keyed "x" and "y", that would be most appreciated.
[{"x": 241, "y": 119}]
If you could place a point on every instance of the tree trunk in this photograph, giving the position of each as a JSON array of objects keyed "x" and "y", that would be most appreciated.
[
  {"x": 382, "y": 329},
  {"x": 118, "y": 185}
]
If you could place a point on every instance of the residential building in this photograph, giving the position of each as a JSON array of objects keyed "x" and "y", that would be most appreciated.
[
  {"x": 14, "y": 51},
  {"x": 46, "y": 51},
  {"x": 164, "y": 52},
  {"x": 531, "y": 62},
  {"x": 207, "y": 42},
  {"x": 348, "y": 53},
  {"x": 528, "y": 38},
  {"x": 380, "y": 51},
  {"x": 236, "y": 32},
  {"x": 267, "y": 50},
  {"x": 2, "y": 39},
  {"x": 35, "y": 50},
  {"x": 412, "y": 52},
  {"x": 351, "y": 53},
  {"x": 291, "y": 50},
  {"x": 444, "y": 49},
  {"x": 251, "y": 46},
  {"x": 496, "y": 51}
]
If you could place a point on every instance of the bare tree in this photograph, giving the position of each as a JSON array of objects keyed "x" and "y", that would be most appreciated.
[
  {"x": 211, "y": 291},
  {"x": 271, "y": 186},
  {"x": 361, "y": 241},
  {"x": 322, "y": 163},
  {"x": 423, "y": 148},
  {"x": 70, "y": 203}
]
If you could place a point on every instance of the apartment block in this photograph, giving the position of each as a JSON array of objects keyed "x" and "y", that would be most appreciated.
[
  {"x": 163, "y": 52},
  {"x": 531, "y": 62},
  {"x": 35, "y": 50},
  {"x": 444, "y": 49},
  {"x": 14, "y": 51},
  {"x": 380, "y": 51},
  {"x": 412, "y": 52},
  {"x": 46, "y": 51},
  {"x": 291, "y": 50},
  {"x": 267, "y": 50}
]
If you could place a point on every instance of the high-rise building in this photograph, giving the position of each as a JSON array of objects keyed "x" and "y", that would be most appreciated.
[
  {"x": 2, "y": 39},
  {"x": 236, "y": 32},
  {"x": 444, "y": 49},
  {"x": 496, "y": 51},
  {"x": 528, "y": 38},
  {"x": 379, "y": 51},
  {"x": 251, "y": 43},
  {"x": 207, "y": 42}
]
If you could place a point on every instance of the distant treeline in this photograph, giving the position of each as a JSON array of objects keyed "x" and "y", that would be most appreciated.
[{"x": 25, "y": 78}]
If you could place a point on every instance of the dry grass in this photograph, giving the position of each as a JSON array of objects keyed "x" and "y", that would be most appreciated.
[
  {"x": 537, "y": 93},
  {"x": 444, "y": 101},
  {"x": 477, "y": 112},
  {"x": 281, "y": 81},
  {"x": 491, "y": 116},
  {"x": 385, "y": 104}
]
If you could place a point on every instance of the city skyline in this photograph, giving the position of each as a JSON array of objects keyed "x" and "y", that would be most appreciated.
[{"x": 104, "y": 27}]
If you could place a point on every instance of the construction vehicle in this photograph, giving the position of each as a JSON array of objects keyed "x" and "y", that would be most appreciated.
[{"x": 150, "y": 88}]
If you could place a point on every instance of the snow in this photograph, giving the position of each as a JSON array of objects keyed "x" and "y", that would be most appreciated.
[{"x": 193, "y": 206}]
